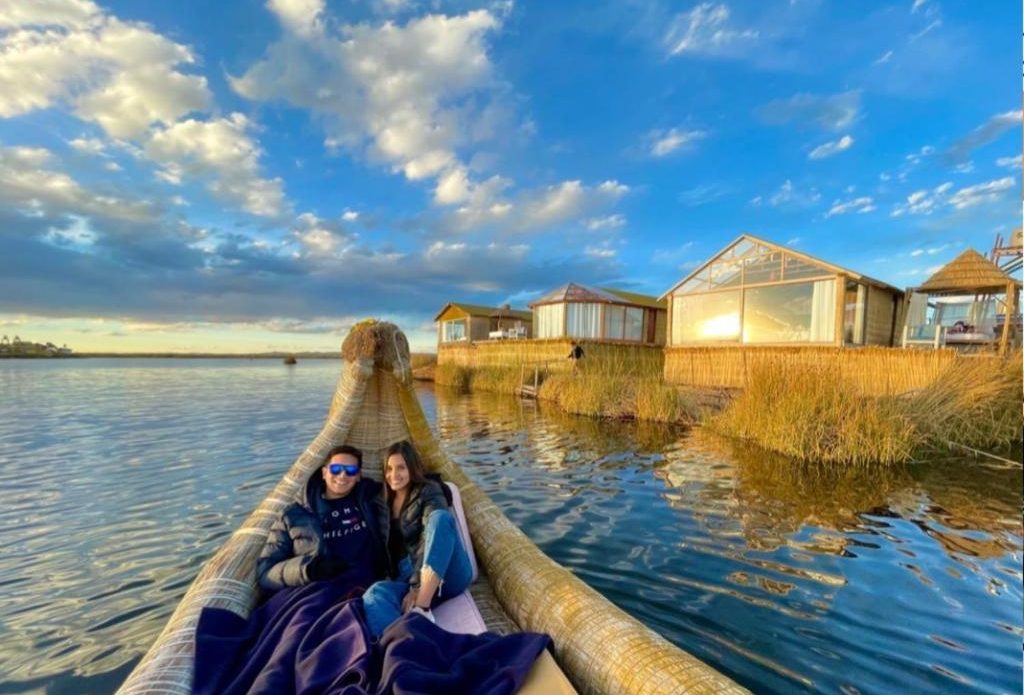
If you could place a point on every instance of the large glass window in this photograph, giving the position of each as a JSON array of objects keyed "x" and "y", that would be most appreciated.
[
  {"x": 583, "y": 320},
  {"x": 614, "y": 320},
  {"x": 855, "y": 304},
  {"x": 549, "y": 321},
  {"x": 706, "y": 318},
  {"x": 634, "y": 324},
  {"x": 453, "y": 330},
  {"x": 786, "y": 313}
]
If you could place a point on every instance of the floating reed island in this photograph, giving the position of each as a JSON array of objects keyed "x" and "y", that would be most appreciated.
[{"x": 611, "y": 380}]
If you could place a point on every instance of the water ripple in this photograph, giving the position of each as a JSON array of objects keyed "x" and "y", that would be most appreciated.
[{"x": 122, "y": 477}]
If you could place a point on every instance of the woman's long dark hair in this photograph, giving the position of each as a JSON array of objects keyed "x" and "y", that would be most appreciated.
[{"x": 417, "y": 474}]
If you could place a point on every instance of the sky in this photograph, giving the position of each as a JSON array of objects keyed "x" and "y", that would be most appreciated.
[{"x": 243, "y": 176}]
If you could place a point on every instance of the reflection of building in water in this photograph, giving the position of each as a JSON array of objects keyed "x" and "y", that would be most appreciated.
[{"x": 968, "y": 508}]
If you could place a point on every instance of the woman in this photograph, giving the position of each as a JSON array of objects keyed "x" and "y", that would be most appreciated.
[{"x": 428, "y": 561}]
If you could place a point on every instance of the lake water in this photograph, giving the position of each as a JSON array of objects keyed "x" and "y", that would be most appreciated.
[{"x": 120, "y": 477}]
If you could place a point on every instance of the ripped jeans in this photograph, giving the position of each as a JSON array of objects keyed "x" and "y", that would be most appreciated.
[{"x": 442, "y": 553}]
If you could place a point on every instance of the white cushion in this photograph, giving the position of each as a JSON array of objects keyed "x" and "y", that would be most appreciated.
[
  {"x": 460, "y": 522},
  {"x": 460, "y": 615}
]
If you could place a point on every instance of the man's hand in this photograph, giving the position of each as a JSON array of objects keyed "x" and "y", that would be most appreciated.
[{"x": 324, "y": 567}]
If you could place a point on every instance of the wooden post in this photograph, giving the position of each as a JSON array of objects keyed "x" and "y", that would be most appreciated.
[
  {"x": 1011, "y": 308},
  {"x": 938, "y": 334},
  {"x": 536, "y": 374},
  {"x": 840, "y": 308}
]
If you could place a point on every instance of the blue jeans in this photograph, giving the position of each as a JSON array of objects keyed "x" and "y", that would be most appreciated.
[{"x": 442, "y": 553}]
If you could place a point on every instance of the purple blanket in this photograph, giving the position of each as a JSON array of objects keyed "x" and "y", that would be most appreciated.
[{"x": 311, "y": 640}]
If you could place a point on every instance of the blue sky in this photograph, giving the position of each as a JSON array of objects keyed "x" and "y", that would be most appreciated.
[{"x": 251, "y": 175}]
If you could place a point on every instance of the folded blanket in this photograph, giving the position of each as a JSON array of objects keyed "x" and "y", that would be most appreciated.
[{"x": 311, "y": 640}]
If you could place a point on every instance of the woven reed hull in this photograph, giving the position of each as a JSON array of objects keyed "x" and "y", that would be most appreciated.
[{"x": 600, "y": 648}]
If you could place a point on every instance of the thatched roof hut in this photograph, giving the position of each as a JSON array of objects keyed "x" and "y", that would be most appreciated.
[
  {"x": 968, "y": 273},
  {"x": 984, "y": 315}
]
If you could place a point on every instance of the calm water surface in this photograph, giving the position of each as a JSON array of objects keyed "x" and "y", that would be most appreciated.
[{"x": 120, "y": 477}]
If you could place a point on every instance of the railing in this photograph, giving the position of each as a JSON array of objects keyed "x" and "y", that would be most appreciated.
[{"x": 933, "y": 335}]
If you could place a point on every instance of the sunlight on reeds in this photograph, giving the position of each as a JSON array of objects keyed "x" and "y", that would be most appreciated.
[
  {"x": 623, "y": 397},
  {"x": 454, "y": 376},
  {"x": 814, "y": 413},
  {"x": 419, "y": 360}
]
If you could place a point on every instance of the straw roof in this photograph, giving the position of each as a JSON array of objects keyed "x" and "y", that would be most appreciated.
[
  {"x": 968, "y": 272},
  {"x": 575, "y": 292},
  {"x": 487, "y": 311}
]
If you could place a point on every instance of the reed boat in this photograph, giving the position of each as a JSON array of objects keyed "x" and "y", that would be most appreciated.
[{"x": 598, "y": 648}]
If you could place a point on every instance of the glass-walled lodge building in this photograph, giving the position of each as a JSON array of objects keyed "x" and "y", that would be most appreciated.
[
  {"x": 755, "y": 292},
  {"x": 600, "y": 314}
]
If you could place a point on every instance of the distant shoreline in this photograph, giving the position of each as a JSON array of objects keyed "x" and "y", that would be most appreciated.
[{"x": 186, "y": 355}]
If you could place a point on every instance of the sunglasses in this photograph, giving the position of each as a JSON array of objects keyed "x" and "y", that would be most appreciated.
[{"x": 337, "y": 468}]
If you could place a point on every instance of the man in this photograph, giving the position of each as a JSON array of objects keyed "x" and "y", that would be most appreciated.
[
  {"x": 335, "y": 529},
  {"x": 575, "y": 355}
]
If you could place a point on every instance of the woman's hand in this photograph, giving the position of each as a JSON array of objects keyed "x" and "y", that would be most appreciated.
[{"x": 409, "y": 601}]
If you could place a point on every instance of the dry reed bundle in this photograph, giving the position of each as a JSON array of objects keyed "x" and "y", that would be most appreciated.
[
  {"x": 976, "y": 402},
  {"x": 813, "y": 413},
  {"x": 871, "y": 371}
]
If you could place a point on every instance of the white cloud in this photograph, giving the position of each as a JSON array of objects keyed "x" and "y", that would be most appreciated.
[
  {"x": 987, "y": 132},
  {"x": 836, "y": 112},
  {"x": 45, "y": 13},
  {"x": 929, "y": 251},
  {"x": 318, "y": 238},
  {"x": 121, "y": 75},
  {"x": 789, "y": 196},
  {"x": 918, "y": 4},
  {"x": 923, "y": 202},
  {"x": 93, "y": 146},
  {"x": 407, "y": 94},
  {"x": 602, "y": 251},
  {"x": 610, "y": 222},
  {"x": 533, "y": 210},
  {"x": 860, "y": 205},
  {"x": 705, "y": 30},
  {"x": 1013, "y": 162},
  {"x": 884, "y": 58},
  {"x": 981, "y": 193},
  {"x": 829, "y": 149},
  {"x": 666, "y": 142},
  {"x": 416, "y": 97},
  {"x": 222, "y": 151},
  {"x": 29, "y": 180},
  {"x": 702, "y": 193},
  {"x": 299, "y": 16},
  {"x": 349, "y": 215}
]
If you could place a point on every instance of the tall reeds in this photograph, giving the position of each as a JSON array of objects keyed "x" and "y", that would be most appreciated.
[{"x": 815, "y": 413}]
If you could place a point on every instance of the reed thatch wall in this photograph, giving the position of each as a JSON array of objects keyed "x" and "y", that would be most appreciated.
[
  {"x": 874, "y": 370},
  {"x": 552, "y": 354}
]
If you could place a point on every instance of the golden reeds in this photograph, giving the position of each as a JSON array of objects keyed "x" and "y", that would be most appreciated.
[
  {"x": 869, "y": 370},
  {"x": 814, "y": 413}
]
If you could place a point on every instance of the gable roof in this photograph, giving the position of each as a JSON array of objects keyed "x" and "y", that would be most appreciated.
[
  {"x": 813, "y": 260},
  {"x": 487, "y": 311},
  {"x": 968, "y": 272},
  {"x": 575, "y": 292}
]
